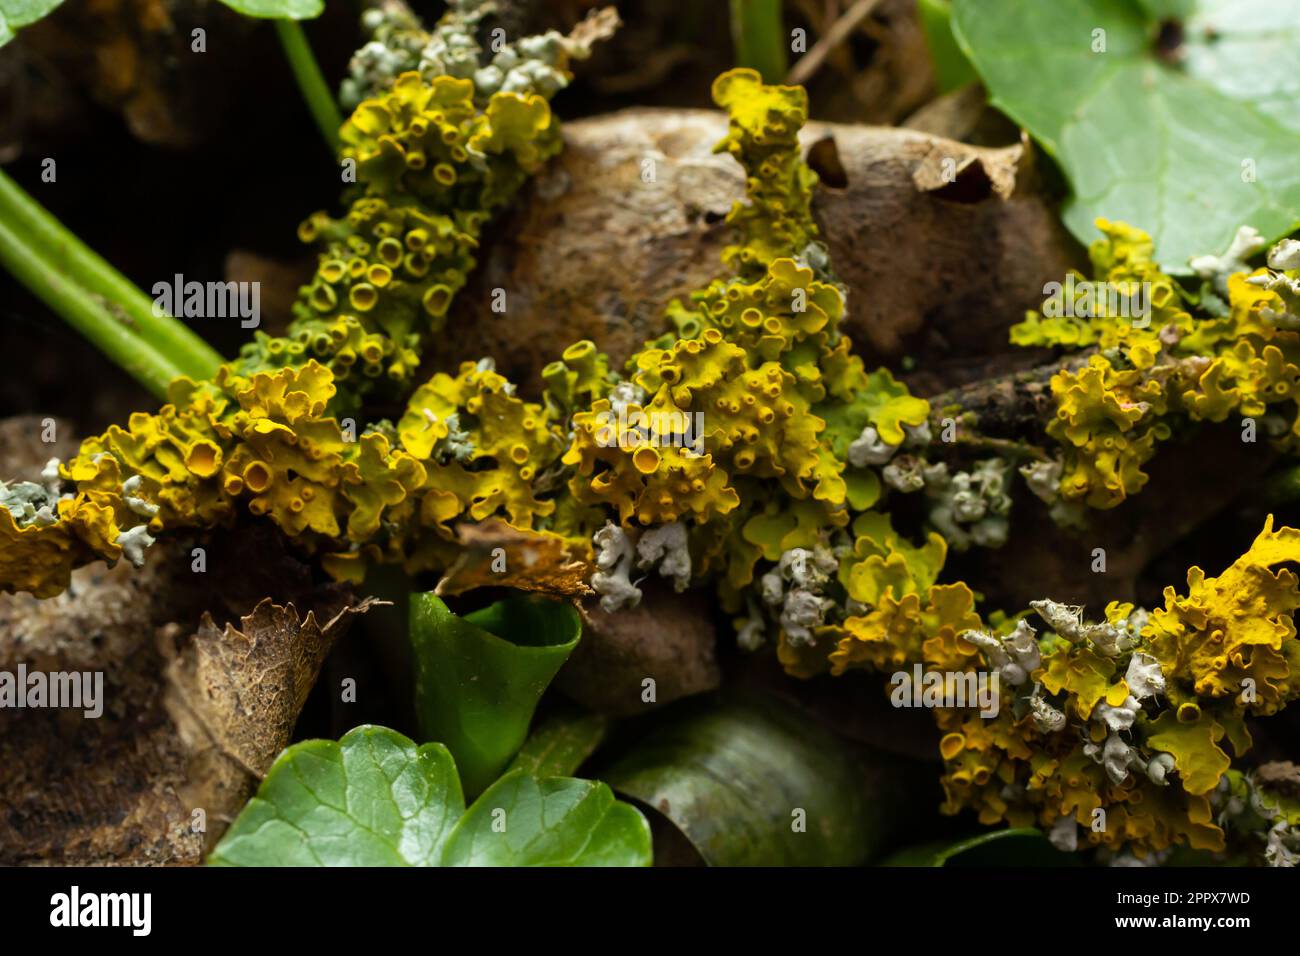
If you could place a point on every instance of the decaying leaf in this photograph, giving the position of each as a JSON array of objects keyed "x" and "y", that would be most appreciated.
[
  {"x": 234, "y": 693},
  {"x": 498, "y": 555},
  {"x": 969, "y": 173}
]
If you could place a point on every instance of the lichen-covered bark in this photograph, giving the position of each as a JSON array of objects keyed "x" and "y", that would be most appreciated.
[{"x": 202, "y": 682}]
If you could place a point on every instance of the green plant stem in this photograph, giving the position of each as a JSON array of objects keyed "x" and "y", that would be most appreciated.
[
  {"x": 85, "y": 311},
  {"x": 77, "y": 264},
  {"x": 311, "y": 81},
  {"x": 759, "y": 37}
]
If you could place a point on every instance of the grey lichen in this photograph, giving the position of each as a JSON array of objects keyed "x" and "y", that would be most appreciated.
[
  {"x": 618, "y": 553},
  {"x": 615, "y": 554},
  {"x": 1047, "y": 718},
  {"x": 1282, "y": 278},
  {"x": 794, "y": 591},
  {"x": 1044, "y": 480},
  {"x": 751, "y": 633},
  {"x": 1217, "y": 269},
  {"x": 1109, "y": 639},
  {"x": 456, "y": 445},
  {"x": 397, "y": 39},
  {"x": 906, "y": 473},
  {"x": 870, "y": 449},
  {"x": 666, "y": 546},
  {"x": 1015, "y": 655},
  {"x": 134, "y": 542},
  {"x": 399, "y": 43},
  {"x": 34, "y": 504},
  {"x": 1116, "y": 755},
  {"x": 970, "y": 507},
  {"x": 131, "y": 494},
  {"x": 1064, "y": 835}
]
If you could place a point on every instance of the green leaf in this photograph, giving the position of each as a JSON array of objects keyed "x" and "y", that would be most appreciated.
[
  {"x": 376, "y": 799},
  {"x": 523, "y": 821},
  {"x": 1023, "y": 846},
  {"x": 20, "y": 13},
  {"x": 478, "y": 678},
  {"x": 951, "y": 68},
  {"x": 561, "y": 743},
  {"x": 372, "y": 799},
  {"x": 1167, "y": 143},
  {"x": 753, "y": 782},
  {"x": 278, "y": 9}
]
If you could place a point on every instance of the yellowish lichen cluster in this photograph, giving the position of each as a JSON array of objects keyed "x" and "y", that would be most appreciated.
[
  {"x": 725, "y": 446},
  {"x": 431, "y": 164},
  {"x": 430, "y": 168},
  {"x": 1124, "y": 727},
  {"x": 737, "y": 424},
  {"x": 1158, "y": 365}
]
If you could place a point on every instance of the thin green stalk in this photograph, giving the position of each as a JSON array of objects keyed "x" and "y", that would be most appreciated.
[
  {"x": 759, "y": 37},
  {"x": 311, "y": 81},
  {"x": 78, "y": 264},
  {"x": 85, "y": 311}
]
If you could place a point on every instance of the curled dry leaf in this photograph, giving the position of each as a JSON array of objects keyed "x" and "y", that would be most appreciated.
[
  {"x": 498, "y": 555},
  {"x": 233, "y": 694},
  {"x": 969, "y": 173}
]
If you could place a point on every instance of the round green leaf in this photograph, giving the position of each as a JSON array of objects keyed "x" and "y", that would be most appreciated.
[
  {"x": 559, "y": 821},
  {"x": 19, "y": 13},
  {"x": 951, "y": 68},
  {"x": 559, "y": 745},
  {"x": 1185, "y": 128},
  {"x": 372, "y": 799},
  {"x": 376, "y": 799}
]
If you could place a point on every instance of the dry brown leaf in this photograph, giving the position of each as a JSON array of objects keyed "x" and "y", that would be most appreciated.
[
  {"x": 534, "y": 561},
  {"x": 238, "y": 691},
  {"x": 969, "y": 173}
]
